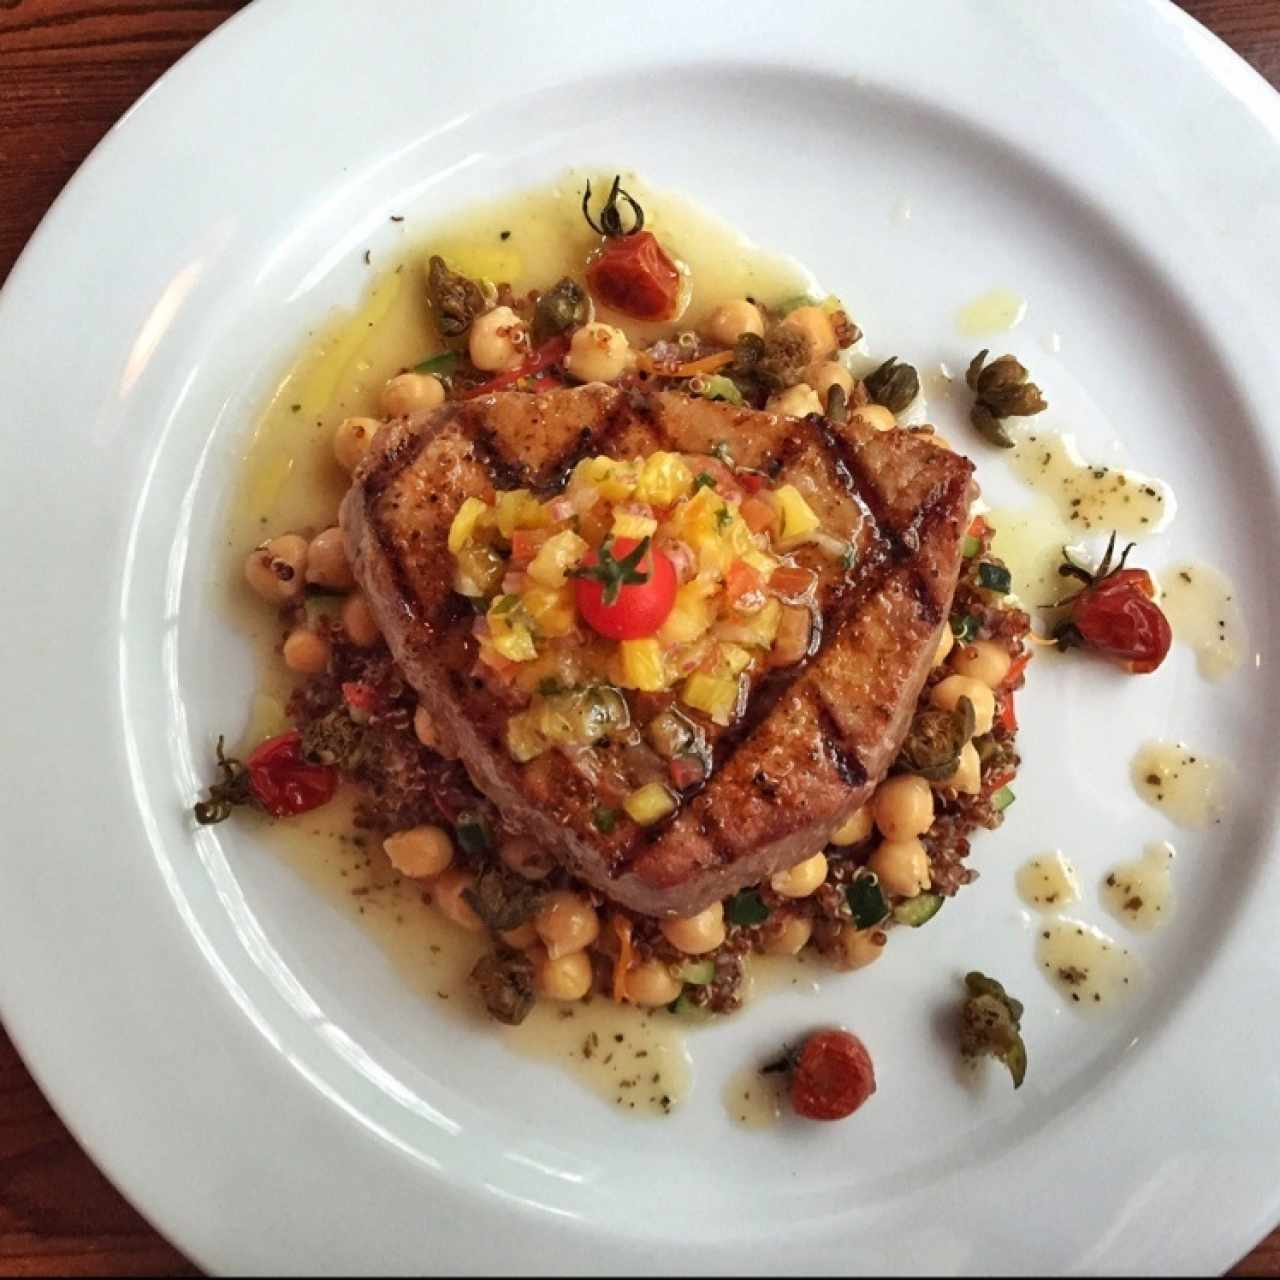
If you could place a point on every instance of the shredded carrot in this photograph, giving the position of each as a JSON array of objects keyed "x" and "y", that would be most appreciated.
[
  {"x": 626, "y": 957},
  {"x": 708, "y": 364}
]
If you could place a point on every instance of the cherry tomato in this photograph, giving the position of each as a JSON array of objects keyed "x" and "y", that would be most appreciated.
[
  {"x": 1118, "y": 617},
  {"x": 637, "y": 609},
  {"x": 284, "y": 782},
  {"x": 634, "y": 274},
  {"x": 832, "y": 1077}
]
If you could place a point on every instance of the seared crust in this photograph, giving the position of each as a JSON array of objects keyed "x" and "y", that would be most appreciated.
[{"x": 815, "y": 738}]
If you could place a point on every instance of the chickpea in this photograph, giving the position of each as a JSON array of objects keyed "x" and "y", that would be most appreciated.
[
  {"x": 903, "y": 807},
  {"x": 802, "y": 879},
  {"x": 306, "y": 651},
  {"x": 967, "y": 777},
  {"x": 795, "y": 401},
  {"x": 562, "y": 977},
  {"x": 277, "y": 569},
  {"x": 822, "y": 377},
  {"x": 818, "y": 331},
  {"x": 877, "y": 416},
  {"x": 730, "y": 320},
  {"x": 786, "y": 934},
  {"x": 447, "y": 893},
  {"x": 652, "y": 984},
  {"x": 902, "y": 865},
  {"x": 327, "y": 564},
  {"x": 597, "y": 353},
  {"x": 411, "y": 393},
  {"x": 946, "y": 642},
  {"x": 358, "y": 621},
  {"x": 983, "y": 660},
  {"x": 499, "y": 340},
  {"x": 857, "y": 948},
  {"x": 523, "y": 937},
  {"x": 566, "y": 923},
  {"x": 526, "y": 857},
  {"x": 696, "y": 935},
  {"x": 352, "y": 439},
  {"x": 419, "y": 852},
  {"x": 856, "y": 828},
  {"x": 946, "y": 693}
]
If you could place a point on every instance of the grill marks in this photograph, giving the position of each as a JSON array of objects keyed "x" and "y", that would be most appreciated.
[{"x": 786, "y": 772}]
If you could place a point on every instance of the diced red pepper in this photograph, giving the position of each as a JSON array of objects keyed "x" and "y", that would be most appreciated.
[
  {"x": 792, "y": 581},
  {"x": 535, "y": 366},
  {"x": 687, "y": 771},
  {"x": 1006, "y": 717},
  {"x": 525, "y": 544},
  {"x": 363, "y": 697},
  {"x": 740, "y": 582}
]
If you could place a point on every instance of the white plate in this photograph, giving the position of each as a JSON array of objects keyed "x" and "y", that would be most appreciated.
[{"x": 242, "y": 1062}]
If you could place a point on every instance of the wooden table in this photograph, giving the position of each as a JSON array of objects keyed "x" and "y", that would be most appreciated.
[{"x": 68, "y": 71}]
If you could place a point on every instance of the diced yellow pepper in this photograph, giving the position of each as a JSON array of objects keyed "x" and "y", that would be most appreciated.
[
  {"x": 649, "y": 804},
  {"x": 715, "y": 696},
  {"x": 759, "y": 629},
  {"x": 464, "y": 523},
  {"x": 551, "y": 609},
  {"x": 560, "y": 553},
  {"x": 747, "y": 549},
  {"x": 798, "y": 517},
  {"x": 515, "y": 643},
  {"x": 519, "y": 509},
  {"x": 524, "y": 741},
  {"x": 614, "y": 479},
  {"x": 642, "y": 666},
  {"x": 626, "y": 525},
  {"x": 664, "y": 478},
  {"x": 734, "y": 659},
  {"x": 691, "y": 615}
]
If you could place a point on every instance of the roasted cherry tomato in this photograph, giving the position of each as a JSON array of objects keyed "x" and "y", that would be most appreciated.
[
  {"x": 626, "y": 589},
  {"x": 832, "y": 1076},
  {"x": 1116, "y": 615},
  {"x": 277, "y": 777},
  {"x": 631, "y": 272},
  {"x": 284, "y": 781}
]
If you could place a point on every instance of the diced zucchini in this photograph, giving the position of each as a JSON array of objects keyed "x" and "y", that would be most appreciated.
[
  {"x": 649, "y": 804},
  {"x": 747, "y": 908},
  {"x": 717, "y": 387},
  {"x": 683, "y": 1007},
  {"x": 604, "y": 819},
  {"x": 1002, "y": 799},
  {"x": 971, "y": 546},
  {"x": 867, "y": 902},
  {"x": 697, "y": 973},
  {"x": 464, "y": 523},
  {"x": 918, "y": 910},
  {"x": 995, "y": 577},
  {"x": 524, "y": 739},
  {"x": 440, "y": 366}
]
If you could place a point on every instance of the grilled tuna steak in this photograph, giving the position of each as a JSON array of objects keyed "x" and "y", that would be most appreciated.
[{"x": 815, "y": 738}]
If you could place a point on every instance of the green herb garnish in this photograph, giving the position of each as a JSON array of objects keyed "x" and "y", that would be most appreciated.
[
  {"x": 746, "y": 907},
  {"x": 440, "y": 366},
  {"x": 549, "y": 687},
  {"x": 703, "y": 480},
  {"x": 867, "y": 902},
  {"x": 1002, "y": 799},
  {"x": 724, "y": 518},
  {"x": 716, "y": 386},
  {"x": 604, "y": 819},
  {"x": 613, "y": 574}
]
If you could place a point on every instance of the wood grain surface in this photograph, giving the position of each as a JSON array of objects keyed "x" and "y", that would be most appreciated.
[{"x": 68, "y": 70}]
